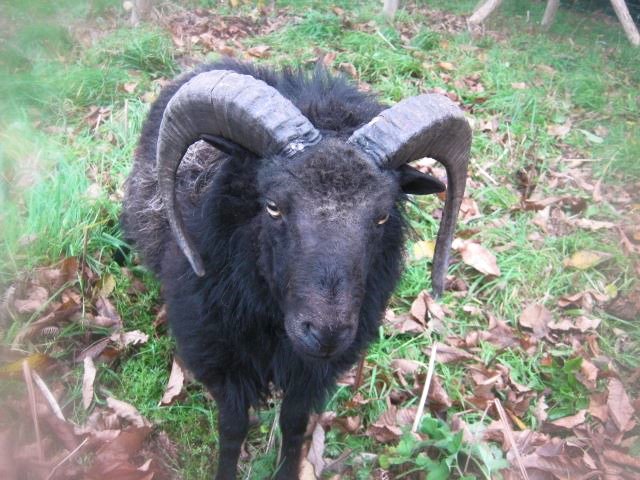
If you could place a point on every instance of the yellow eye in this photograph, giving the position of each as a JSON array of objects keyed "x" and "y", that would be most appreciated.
[
  {"x": 383, "y": 220},
  {"x": 272, "y": 209}
]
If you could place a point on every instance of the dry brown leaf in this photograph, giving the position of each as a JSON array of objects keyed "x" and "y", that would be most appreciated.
[
  {"x": 174, "y": 385},
  {"x": 87, "y": 382},
  {"x": 307, "y": 471},
  {"x": 113, "y": 459},
  {"x": 620, "y": 409},
  {"x": 316, "y": 450},
  {"x": 438, "y": 398},
  {"x": 259, "y": 51},
  {"x": 387, "y": 428},
  {"x": 405, "y": 366},
  {"x": 585, "y": 259},
  {"x": 403, "y": 323},
  {"x": 127, "y": 411},
  {"x": 559, "y": 131},
  {"x": 477, "y": 256},
  {"x": 592, "y": 224},
  {"x": 107, "y": 313},
  {"x": 585, "y": 300},
  {"x": 448, "y": 66},
  {"x": 36, "y": 299},
  {"x": 571, "y": 421},
  {"x": 449, "y": 354},
  {"x": 537, "y": 318},
  {"x": 130, "y": 87},
  {"x": 469, "y": 210},
  {"x": 124, "y": 339},
  {"x": 349, "y": 424},
  {"x": 598, "y": 406},
  {"x": 349, "y": 69}
]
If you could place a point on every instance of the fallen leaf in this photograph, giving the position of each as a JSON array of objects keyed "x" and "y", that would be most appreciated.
[
  {"x": 477, "y": 256},
  {"x": 87, "y": 382},
  {"x": 36, "y": 361},
  {"x": 36, "y": 299},
  {"x": 106, "y": 285},
  {"x": 585, "y": 259},
  {"x": 387, "y": 428},
  {"x": 446, "y": 66},
  {"x": 588, "y": 374},
  {"x": 571, "y": 421},
  {"x": 593, "y": 225},
  {"x": 405, "y": 366},
  {"x": 316, "y": 450},
  {"x": 107, "y": 314},
  {"x": 559, "y": 131},
  {"x": 130, "y": 87},
  {"x": 174, "y": 385},
  {"x": 620, "y": 409},
  {"x": 537, "y": 318},
  {"x": 519, "y": 86},
  {"x": 349, "y": 424},
  {"x": 449, "y": 354},
  {"x": 127, "y": 411},
  {"x": 124, "y": 339},
  {"x": 349, "y": 69},
  {"x": 403, "y": 323},
  {"x": 259, "y": 51},
  {"x": 423, "y": 249}
]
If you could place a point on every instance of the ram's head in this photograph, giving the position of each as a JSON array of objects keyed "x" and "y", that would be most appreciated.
[{"x": 328, "y": 205}]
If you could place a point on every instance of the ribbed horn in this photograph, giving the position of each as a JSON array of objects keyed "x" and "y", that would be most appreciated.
[
  {"x": 237, "y": 107},
  {"x": 424, "y": 126}
]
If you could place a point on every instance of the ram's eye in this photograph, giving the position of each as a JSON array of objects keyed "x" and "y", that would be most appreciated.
[
  {"x": 383, "y": 220},
  {"x": 273, "y": 210}
]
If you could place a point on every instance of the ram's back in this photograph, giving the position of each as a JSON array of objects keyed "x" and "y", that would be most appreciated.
[{"x": 332, "y": 105}]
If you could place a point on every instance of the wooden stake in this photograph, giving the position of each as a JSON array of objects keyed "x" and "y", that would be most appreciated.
[
  {"x": 624, "y": 16},
  {"x": 550, "y": 13},
  {"x": 483, "y": 11},
  {"x": 389, "y": 9}
]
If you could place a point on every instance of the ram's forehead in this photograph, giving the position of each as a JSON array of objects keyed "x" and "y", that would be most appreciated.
[{"x": 339, "y": 174}]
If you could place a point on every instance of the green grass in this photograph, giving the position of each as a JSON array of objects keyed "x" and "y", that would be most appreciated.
[{"x": 62, "y": 182}]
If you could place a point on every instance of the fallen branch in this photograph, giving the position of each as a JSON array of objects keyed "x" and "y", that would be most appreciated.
[{"x": 425, "y": 389}]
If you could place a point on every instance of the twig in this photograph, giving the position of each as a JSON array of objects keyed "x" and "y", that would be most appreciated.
[
  {"x": 65, "y": 459},
  {"x": 357, "y": 383},
  {"x": 126, "y": 115},
  {"x": 48, "y": 396},
  {"x": 425, "y": 388},
  {"x": 26, "y": 370},
  {"x": 386, "y": 39},
  {"x": 484, "y": 173},
  {"x": 506, "y": 428}
]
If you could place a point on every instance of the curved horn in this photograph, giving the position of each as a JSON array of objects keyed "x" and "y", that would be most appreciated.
[
  {"x": 237, "y": 107},
  {"x": 424, "y": 126}
]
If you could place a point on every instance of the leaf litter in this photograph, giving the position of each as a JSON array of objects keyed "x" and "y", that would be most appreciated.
[{"x": 598, "y": 440}]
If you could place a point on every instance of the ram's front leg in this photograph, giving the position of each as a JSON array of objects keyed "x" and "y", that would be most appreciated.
[
  {"x": 294, "y": 416},
  {"x": 233, "y": 424}
]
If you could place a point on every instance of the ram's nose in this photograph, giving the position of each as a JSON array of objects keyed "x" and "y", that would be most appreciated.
[{"x": 326, "y": 341}]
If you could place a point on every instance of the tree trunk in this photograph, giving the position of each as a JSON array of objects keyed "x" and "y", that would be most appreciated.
[
  {"x": 389, "y": 9},
  {"x": 550, "y": 13},
  {"x": 627, "y": 22},
  {"x": 141, "y": 11},
  {"x": 483, "y": 11}
]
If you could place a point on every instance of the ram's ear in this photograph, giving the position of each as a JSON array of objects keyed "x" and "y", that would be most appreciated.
[
  {"x": 417, "y": 183},
  {"x": 226, "y": 146}
]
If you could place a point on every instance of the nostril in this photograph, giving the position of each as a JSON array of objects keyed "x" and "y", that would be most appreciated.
[{"x": 311, "y": 332}]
